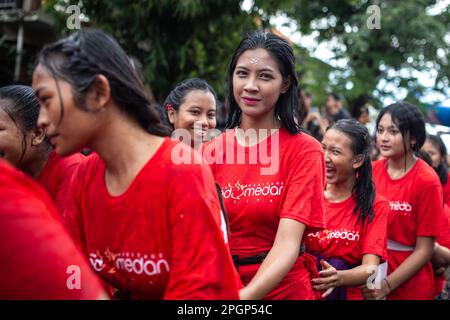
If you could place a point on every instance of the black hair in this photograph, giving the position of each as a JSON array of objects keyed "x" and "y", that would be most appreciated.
[
  {"x": 81, "y": 57},
  {"x": 21, "y": 105},
  {"x": 178, "y": 95},
  {"x": 335, "y": 96},
  {"x": 410, "y": 122},
  {"x": 425, "y": 157},
  {"x": 442, "y": 169},
  {"x": 287, "y": 106},
  {"x": 364, "y": 188}
]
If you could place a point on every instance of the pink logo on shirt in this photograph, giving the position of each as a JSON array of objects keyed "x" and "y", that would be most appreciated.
[
  {"x": 336, "y": 234},
  {"x": 148, "y": 264},
  {"x": 400, "y": 206},
  {"x": 239, "y": 191}
]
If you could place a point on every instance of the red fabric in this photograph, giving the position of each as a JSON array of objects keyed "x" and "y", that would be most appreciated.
[
  {"x": 346, "y": 239},
  {"x": 444, "y": 238},
  {"x": 161, "y": 238},
  {"x": 256, "y": 202},
  {"x": 37, "y": 253},
  {"x": 416, "y": 210},
  {"x": 446, "y": 190},
  {"x": 56, "y": 176}
]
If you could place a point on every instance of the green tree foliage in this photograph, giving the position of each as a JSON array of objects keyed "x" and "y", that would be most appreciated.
[
  {"x": 172, "y": 39},
  {"x": 178, "y": 39}
]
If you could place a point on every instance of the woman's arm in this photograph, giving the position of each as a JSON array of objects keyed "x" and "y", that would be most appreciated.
[
  {"x": 331, "y": 278},
  {"x": 419, "y": 257},
  {"x": 278, "y": 262},
  {"x": 441, "y": 256}
]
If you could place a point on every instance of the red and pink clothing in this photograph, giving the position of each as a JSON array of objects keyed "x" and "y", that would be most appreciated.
[
  {"x": 161, "y": 238},
  {"x": 345, "y": 238},
  {"x": 415, "y": 211},
  {"x": 281, "y": 177}
]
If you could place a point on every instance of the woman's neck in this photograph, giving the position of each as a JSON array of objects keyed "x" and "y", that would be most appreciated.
[
  {"x": 338, "y": 192},
  {"x": 398, "y": 167},
  {"x": 37, "y": 163},
  {"x": 263, "y": 127},
  {"x": 125, "y": 147}
]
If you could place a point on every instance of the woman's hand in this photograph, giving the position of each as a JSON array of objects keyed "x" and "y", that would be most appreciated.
[
  {"x": 329, "y": 279},
  {"x": 376, "y": 294}
]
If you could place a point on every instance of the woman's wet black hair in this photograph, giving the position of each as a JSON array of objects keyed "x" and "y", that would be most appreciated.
[
  {"x": 287, "y": 106},
  {"x": 178, "y": 95},
  {"x": 364, "y": 188},
  {"x": 409, "y": 120},
  {"x": 81, "y": 57},
  {"x": 19, "y": 102},
  {"x": 442, "y": 169}
]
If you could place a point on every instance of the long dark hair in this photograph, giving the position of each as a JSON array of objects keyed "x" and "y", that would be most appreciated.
[
  {"x": 286, "y": 108},
  {"x": 364, "y": 188},
  {"x": 79, "y": 58},
  {"x": 442, "y": 169},
  {"x": 21, "y": 105},
  {"x": 178, "y": 94},
  {"x": 409, "y": 121}
]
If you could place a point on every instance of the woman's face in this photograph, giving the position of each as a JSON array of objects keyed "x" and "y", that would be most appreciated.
[
  {"x": 340, "y": 162},
  {"x": 68, "y": 127},
  {"x": 390, "y": 139},
  {"x": 11, "y": 139},
  {"x": 257, "y": 83},
  {"x": 197, "y": 114},
  {"x": 433, "y": 152}
]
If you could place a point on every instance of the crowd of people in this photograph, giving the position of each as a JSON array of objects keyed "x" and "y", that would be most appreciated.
[{"x": 150, "y": 202}]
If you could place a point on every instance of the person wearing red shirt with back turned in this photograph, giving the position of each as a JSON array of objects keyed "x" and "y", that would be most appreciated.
[
  {"x": 272, "y": 185},
  {"x": 415, "y": 197},
  {"x": 355, "y": 239},
  {"x": 39, "y": 259},
  {"x": 150, "y": 226},
  {"x": 24, "y": 145}
]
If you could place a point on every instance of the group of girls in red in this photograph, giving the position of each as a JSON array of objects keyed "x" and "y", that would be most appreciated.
[{"x": 307, "y": 221}]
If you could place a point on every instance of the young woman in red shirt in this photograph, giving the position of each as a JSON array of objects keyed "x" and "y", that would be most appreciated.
[
  {"x": 415, "y": 197},
  {"x": 273, "y": 190},
  {"x": 24, "y": 145},
  {"x": 355, "y": 239},
  {"x": 150, "y": 227}
]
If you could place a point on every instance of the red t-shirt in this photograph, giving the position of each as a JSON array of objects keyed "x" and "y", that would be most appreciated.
[
  {"x": 281, "y": 177},
  {"x": 446, "y": 188},
  {"x": 416, "y": 210},
  {"x": 56, "y": 175},
  {"x": 348, "y": 240},
  {"x": 38, "y": 257},
  {"x": 161, "y": 238},
  {"x": 443, "y": 240}
]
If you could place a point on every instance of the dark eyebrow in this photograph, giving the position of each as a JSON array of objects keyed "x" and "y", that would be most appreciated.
[{"x": 259, "y": 70}]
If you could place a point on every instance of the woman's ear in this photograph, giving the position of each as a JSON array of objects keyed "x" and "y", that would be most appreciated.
[
  {"x": 358, "y": 161},
  {"x": 171, "y": 115},
  {"x": 38, "y": 136},
  {"x": 99, "y": 94},
  {"x": 286, "y": 84}
]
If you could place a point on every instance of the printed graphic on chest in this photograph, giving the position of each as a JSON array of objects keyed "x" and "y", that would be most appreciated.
[
  {"x": 258, "y": 192},
  {"x": 129, "y": 262},
  {"x": 400, "y": 208},
  {"x": 329, "y": 236}
]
